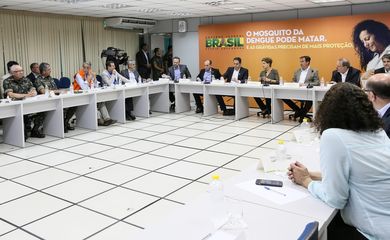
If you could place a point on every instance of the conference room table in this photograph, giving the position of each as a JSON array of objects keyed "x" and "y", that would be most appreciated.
[
  {"x": 265, "y": 219},
  {"x": 151, "y": 96},
  {"x": 146, "y": 96},
  {"x": 241, "y": 93}
]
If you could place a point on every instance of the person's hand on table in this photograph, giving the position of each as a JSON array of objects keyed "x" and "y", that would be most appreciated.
[{"x": 299, "y": 174}]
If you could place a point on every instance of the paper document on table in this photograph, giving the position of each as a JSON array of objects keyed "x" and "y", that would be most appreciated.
[{"x": 279, "y": 195}]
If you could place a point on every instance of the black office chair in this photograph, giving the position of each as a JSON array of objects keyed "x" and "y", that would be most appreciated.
[
  {"x": 100, "y": 80},
  {"x": 57, "y": 82},
  {"x": 64, "y": 83},
  {"x": 310, "y": 232},
  {"x": 294, "y": 117}
]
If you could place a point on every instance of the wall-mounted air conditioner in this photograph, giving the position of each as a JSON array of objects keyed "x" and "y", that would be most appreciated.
[{"x": 129, "y": 23}]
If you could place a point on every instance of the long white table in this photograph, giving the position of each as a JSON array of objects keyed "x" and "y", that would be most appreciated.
[
  {"x": 192, "y": 222},
  {"x": 241, "y": 92},
  {"x": 265, "y": 219},
  {"x": 153, "y": 95}
]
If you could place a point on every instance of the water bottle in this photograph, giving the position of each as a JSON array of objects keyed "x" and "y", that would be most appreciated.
[
  {"x": 216, "y": 188},
  {"x": 322, "y": 82},
  {"x": 249, "y": 79},
  {"x": 281, "y": 81},
  {"x": 212, "y": 78},
  {"x": 216, "y": 198},
  {"x": 281, "y": 151},
  {"x": 46, "y": 91},
  {"x": 305, "y": 131},
  {"x": 71, "y": 89}
]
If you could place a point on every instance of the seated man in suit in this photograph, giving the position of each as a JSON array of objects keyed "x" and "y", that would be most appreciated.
[
  {"x": 236, "y": 74},
  {"x": 18, "y": 87},
  {"x": 206, "y": 75},
  {"x": 176, "y": 72},
  {"x": 45, "y": 80},
  {"x": 111, "y": 77},
  {"x": 131, "y": 74},
  {"x": 346, "y": 73},
  {"x": 34, "y": 67},
  {"x": 305, "y": 76},
  {"x": 386, "y": 65},
  {"x": 378, "y": 90}
]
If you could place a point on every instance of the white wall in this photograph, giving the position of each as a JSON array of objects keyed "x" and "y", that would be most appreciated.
[
  {"x": 186, "y": 47},
  {"x": 156, "y": 41}
]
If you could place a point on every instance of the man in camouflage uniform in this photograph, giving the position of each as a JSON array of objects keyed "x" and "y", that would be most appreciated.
[
  {"x": 18, "y": 87},
  {"x": 43, "y": 80},
  {"x": 7, "y": 75}
]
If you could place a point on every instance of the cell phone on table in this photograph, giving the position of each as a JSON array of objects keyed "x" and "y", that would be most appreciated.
[{"x": 267, "y": 182}]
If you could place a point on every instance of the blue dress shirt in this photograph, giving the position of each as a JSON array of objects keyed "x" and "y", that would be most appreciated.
[{"x": 355, "y": 169}]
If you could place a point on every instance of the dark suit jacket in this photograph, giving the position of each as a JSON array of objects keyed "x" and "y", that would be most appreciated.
[
  {"x": 214, "y": 71},
  {"x": 32, "y": 77},
  {"x": 353, "y": 76},
  {"x": 242, "y": 74},
  {"x": 380, "y": 70},
  {"x": 125, "y": 73},
  {"x": 386, "y": 121},
  {"x": 311, "y": 77},
  {"x": 274, "y": 75},
  {"x": 183, "y": 71},
  {"x": 142, "y": 62}
]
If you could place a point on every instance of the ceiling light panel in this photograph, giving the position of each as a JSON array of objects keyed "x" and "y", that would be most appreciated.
[{"x": 167, "y": 9}]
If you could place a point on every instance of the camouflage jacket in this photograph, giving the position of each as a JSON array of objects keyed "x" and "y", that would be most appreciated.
[
  {"x": 22, "y": 86},
  {"x": 41, "y": 82}
]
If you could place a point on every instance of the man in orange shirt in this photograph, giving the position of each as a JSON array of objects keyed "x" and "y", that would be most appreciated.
[{"x": 84, "y": 80}]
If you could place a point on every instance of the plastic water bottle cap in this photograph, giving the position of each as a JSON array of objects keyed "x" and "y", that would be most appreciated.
[
  {"x": 280, "y": 141},
  {"x": 215, "y": 177}
]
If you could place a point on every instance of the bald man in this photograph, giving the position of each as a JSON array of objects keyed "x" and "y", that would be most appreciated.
[
  {"x": 378, "y": 90},
  {"x": 345, "y": 72}
]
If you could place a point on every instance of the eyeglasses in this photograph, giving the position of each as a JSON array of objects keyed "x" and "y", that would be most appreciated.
[{"x": 369, "y": 90}]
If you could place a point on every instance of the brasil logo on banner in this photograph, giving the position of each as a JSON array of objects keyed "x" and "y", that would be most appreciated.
[{"x": 225, "y": 42}]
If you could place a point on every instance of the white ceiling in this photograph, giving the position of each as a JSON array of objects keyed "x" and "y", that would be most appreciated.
[{"x": 165, "y": 9}]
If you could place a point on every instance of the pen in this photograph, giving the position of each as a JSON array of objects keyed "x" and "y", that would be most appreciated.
[{"x": 273, "y": 190}]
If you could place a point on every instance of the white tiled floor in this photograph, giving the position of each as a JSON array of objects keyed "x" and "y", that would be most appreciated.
[
  {"x": 5, "y": 227},
  {"x": 112, "y": 183}
]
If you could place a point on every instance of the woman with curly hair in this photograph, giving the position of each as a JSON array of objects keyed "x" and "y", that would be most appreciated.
[
  {"x": 355, "y": 165},
  {"x": 371, "y": 40}
]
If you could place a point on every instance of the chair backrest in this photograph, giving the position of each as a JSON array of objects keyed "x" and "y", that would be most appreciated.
[
  {"x": 100, "y": 80},
  {"x": 64, "y": 82},
  {"x": 57, "y": 82},
  {"x": 310, "y": 232}
]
